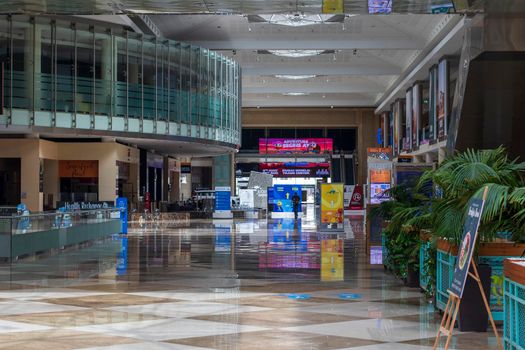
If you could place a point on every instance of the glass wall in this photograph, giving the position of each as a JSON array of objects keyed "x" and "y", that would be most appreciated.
[{"x": 60, "y": 66}]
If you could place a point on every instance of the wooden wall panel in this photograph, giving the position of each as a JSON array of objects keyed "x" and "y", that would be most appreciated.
[{"x": 363, "y": 119}]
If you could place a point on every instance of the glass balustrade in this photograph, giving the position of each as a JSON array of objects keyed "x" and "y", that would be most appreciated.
[{"x": 76, "y": 69}]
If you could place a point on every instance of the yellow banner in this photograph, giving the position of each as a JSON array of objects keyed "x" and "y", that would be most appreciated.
[
  {"x": 332, "y": 260},
  {"x": 332, "y": 203},
  {"x": 333, "y": 7}
]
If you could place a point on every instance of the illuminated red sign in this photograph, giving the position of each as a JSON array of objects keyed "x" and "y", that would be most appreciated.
[
  {"x": 294, "y": 146},
  {"x": 301, "y": 169}
]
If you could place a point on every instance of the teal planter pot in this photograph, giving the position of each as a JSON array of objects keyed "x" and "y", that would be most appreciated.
[
  {"x": 514, "y": 304},
  {"x": 446, "y": 260}
]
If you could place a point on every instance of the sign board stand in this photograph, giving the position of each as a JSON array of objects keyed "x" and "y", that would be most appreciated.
[
  {"x": 461, "y": 273},
  {"x": 222, "y": 203}
]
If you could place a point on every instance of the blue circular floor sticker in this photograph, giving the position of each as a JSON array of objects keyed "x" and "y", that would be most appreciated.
[
  {"x": 349, "y": 296},
  {"x": 296, "y": 295}
]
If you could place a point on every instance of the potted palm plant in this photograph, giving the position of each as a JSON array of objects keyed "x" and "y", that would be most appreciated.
[{"x": 502, "y": 230}]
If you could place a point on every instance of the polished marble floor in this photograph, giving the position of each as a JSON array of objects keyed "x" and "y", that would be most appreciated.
[{"x": 276, "y": 284}]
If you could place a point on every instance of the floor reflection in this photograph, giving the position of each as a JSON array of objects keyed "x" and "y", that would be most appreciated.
[{"x": 223, "y": 284}]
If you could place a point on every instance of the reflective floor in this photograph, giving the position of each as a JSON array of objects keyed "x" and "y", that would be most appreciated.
[{"x": 276, "y": 284}]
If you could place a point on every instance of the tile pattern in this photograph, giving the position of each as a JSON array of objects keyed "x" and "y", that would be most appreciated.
[{"x": 203, "y": 286}]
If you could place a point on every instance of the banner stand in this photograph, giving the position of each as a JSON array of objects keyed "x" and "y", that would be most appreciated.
[
  {"x": 331, "y": 218},
  {"x": 451, "y": 312},
  {"x": 460, "y": 275}
]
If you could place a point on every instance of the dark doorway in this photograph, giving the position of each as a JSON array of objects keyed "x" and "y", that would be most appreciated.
[{"x": 9, "y": 181}]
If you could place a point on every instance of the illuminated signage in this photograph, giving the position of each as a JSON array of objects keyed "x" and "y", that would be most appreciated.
[
  {"x": 295, "y": 146},
  {"x": 299, "y": 169}
]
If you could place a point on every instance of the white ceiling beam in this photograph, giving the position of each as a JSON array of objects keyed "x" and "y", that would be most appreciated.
[
  {"x": 319, "y": 69},
  {"x": 286, "y": 43},
  {"x": 312, "y": 87},
  {"x": 308, "y": 102}
]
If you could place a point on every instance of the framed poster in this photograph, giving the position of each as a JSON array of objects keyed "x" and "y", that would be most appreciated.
[
  {"x": 442, "y": 98},
  {"x": 408, "y": 121}
]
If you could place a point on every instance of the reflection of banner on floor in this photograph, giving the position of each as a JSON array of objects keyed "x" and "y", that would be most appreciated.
[
  {"x": 332, "y": 201},
  {"x": 332, "y": 260}
]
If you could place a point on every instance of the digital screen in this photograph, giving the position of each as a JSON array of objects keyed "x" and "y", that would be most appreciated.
[
  {"x": 379, "y": 193},
  {"x": 379, "y": 6},
  {"x": 282, "y": 198},
  {"x": 295, "y": 146},
  {"x": 380, "y": 176},
  {"x": 296, "y": 169}
]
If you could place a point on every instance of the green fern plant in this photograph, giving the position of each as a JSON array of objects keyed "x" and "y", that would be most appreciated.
[{"x": 465, "y": 176}]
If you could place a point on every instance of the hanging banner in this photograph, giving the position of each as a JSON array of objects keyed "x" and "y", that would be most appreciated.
[
  {"x": 332, "y": 260},
  {"x": 466, "y": 248},
  {"x": 416, "y": 114},
  {"x": 432, "y": 105},
  {"x": 385, "y": 128},
  {"x": 332, "y": 203},
  {"x": 295, "y": 146},
  {"x": 408, "y": 121},
  {"x": 442, "y": 98}
]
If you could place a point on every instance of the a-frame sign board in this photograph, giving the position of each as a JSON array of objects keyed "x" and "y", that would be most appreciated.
[{"x": 461, "y": 272}]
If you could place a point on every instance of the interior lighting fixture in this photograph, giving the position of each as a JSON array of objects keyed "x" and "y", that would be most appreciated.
[
  {"x": 295, "y": 94},
  {"x": 296, "y": 19},
  {"x": 295, "y": 77},
  {"x": 296, "y": 53}
]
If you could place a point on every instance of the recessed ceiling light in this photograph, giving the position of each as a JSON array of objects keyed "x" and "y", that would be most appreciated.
[
  {"x": 296, "y": 53},
  {"x": 295, "y": 93},
  {"x": 296, "y": 19},
  {"x": 295, "y": 77}
]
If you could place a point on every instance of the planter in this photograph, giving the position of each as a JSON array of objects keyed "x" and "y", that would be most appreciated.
[
  {"x": 412, "y": 280},
  {"x": 514, "y": 305},
  {"x": 489, "y": 254},
  {"x": 473, "y": 316}
]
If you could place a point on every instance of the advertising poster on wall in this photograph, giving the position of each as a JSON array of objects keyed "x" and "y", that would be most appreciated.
[
  {"x": 332, "y": 204},
  {"x": 416, "y": 114},
  {"x": 391, "y": 129},
  {"x": 295, "y": 146},
  {"x": 296, "y": 169},
  {"x": 442, "y": 98},
  {"x": 282, "y": 200},
  {"x": 432, "y": 121},
  {"x": 332, "y": 260},
  {"x": 395, "y": 130},
  {"x": 408, "y": 121},
  {"x": 466, "y": 248}
]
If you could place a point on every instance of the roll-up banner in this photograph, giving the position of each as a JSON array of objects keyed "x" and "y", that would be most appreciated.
[
  {"x": 442, "y": 98},
  {"x": 416, "y": 114},
  {"x": 432, "y": 120},
  {"x": 332, "y": 206},
  {"x": 408, "y": 120}
]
